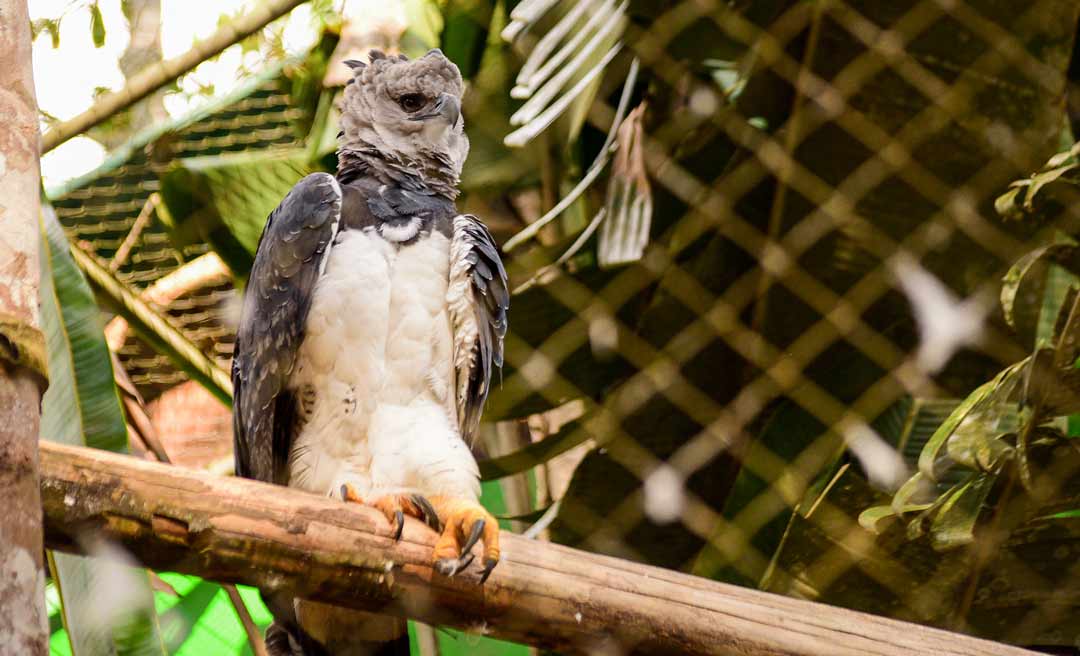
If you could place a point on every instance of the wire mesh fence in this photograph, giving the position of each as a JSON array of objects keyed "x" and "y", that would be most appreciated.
[
  {"x": 771, "y": 391},
  {"x": 782, "y": 317}
]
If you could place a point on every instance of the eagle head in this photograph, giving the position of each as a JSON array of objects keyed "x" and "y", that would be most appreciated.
[{"x": 407, "y": 113}]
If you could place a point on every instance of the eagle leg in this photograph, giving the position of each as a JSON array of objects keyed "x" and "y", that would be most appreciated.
[
  {"x": 395, "y": 506},
  {"x": 465, "y": 523}
]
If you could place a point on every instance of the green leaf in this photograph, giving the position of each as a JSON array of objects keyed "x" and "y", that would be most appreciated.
[
  {"x": 50, "y": 25},
  {"x": 911, "y": 495},
  {"x": 1024, "y": 286},
  {"x": 425, "y": 24},
  {"x": 918, "y": 526},
  {"x": 954, "y": 525},
  {"x": 465, "y": 34},
  {"x": 1006, "y": 205},
  {"x": 1064, "y": 156},
  {"x": 225, "y": 200},
  {"x": 459, "y": 643},
  {"x": 83, "y": 407},
  {"x": 1040, "y": 180},
  {"x": 1066, "y": 514},
  {"x": 873, "y": 519},
  {"x": 107, "y": 608},
  {"x": 934, "y": 460},
  {"x": 97, "y": 26}
]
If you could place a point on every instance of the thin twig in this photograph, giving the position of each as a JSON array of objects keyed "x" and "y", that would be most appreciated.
[
  {"x": 136, "y": 230},
  {"x": 258, "y": 645}
]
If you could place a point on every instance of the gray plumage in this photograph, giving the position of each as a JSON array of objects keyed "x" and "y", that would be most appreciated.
[
  {"x": 276, "y": 303},
  {"x": 488, "y": 279}
]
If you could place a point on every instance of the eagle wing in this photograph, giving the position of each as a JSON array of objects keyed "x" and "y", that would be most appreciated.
[
  {"x": 289, "y": 259},
  {"x": 478, "y": 300}
]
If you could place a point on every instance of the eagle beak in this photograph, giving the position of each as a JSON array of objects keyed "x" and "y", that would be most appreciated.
[{"x": 447, "y": 106}]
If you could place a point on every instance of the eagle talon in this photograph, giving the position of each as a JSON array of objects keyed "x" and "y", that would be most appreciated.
[
  {"x": 465, "y": 524},
  {"x": 431, "y": 517},
  {"x": 489, "y": 564},
  {"x": 395, "y": 507},
  {"x": 474, "y": 536},
  {"x": 400, "y": 517},
  {"x": 349, "y": 493}
]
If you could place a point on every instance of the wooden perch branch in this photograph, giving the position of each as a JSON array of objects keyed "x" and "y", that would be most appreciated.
[
  {"x": 152, "y": 78},
  {"x": 240, "y": 531}
]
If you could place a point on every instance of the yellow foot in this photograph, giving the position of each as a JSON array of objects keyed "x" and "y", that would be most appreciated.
[
  {"x": 464, "y": 523},
  {"x": 395, "y": 506}
]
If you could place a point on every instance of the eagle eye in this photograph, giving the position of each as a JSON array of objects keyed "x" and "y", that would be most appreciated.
[{"x": 411, "y": 102}]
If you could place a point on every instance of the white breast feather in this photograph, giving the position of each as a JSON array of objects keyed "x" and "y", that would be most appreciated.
[
  {"x": 400, "y": 233},
  {"x": 380, "y": 353}
]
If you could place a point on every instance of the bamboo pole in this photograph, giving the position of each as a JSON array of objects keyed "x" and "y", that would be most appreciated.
[
  {"x": 161, "y": 73},
  {"x": 241, "y": 531}
]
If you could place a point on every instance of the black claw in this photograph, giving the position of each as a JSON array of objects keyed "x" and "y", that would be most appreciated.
[
  {"x": 464, "y": 562},
  {"x": 400, "y": 517},
  {"x": 431, "y": 518},
  {"x": 477, "y": 529},
  {"x": 489, "y": 565}
]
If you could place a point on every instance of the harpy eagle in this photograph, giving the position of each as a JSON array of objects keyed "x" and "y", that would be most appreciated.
[{"x": 371, "y": 324}]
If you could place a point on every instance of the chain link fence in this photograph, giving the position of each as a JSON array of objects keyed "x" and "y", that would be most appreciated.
[{"x": 773, "y": 393}]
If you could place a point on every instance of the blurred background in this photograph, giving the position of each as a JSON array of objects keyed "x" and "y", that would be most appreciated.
[{"x": 794, "y": 282}]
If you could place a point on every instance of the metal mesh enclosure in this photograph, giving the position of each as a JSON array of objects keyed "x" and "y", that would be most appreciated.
[{"x": 773, "y": 383}]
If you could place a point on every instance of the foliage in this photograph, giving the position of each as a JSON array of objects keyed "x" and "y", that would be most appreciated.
[
  {"x": 106, "y": 606},
  {"x": 1023, "y": 197},
  {"x": 97, "y": 26},
  {"x": 50, "y": 25},
  {"x": 106, "y": 610},
  {"x": 1009, "y": 429}
]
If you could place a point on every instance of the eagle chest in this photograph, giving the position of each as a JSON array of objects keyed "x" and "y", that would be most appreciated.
[{"x": 377, "y": 332}]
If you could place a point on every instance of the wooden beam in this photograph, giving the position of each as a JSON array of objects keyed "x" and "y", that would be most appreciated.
[
  {"x": 240, "y": 531},
  {"x": 161, "y": 73}
]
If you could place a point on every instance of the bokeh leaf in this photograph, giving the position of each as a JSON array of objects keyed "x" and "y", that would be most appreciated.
[
  {"x": 465, "y": 33},
  {"x": 97, "y": 26}
]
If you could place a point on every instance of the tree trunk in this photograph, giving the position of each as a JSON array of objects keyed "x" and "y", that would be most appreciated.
[
  {"x": 281, "y": 539},
  {"x": 24, "y": 627}
]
